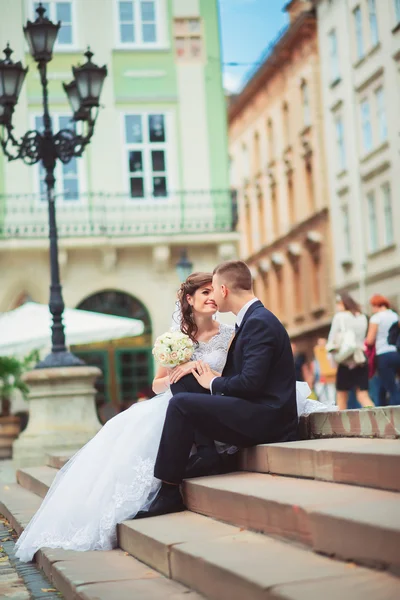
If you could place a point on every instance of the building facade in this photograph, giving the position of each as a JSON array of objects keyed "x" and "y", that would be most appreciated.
[
  {"x": 360, "y": 75},
  {"x": 277, "y": 152},
  {"x": 152, "y": 183}
]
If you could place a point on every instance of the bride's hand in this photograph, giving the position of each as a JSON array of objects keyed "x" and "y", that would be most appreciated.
[{"x": 178, "y": 372}]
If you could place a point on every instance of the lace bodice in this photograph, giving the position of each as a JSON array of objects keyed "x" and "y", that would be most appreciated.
[{"x": 215, "y": 351}]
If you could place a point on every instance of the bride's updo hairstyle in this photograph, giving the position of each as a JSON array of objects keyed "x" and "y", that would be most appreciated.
[{"x": 189, "y": 288}]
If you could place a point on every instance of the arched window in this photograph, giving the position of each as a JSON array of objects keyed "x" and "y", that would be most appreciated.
[
  {"x": 127, "y": 363},
  {"x": 113, "y": 302}
]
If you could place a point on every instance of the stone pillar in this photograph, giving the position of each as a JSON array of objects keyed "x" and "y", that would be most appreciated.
[{"x": 62, "y": 413}]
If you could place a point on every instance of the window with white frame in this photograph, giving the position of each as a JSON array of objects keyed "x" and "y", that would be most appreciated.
[
  {"x": 373, "y": 22},
  {"x": 67, "y": 175},
  {"x": 341, "y": 150},
  {"x": 334, "y": 57},
  {"x": 366, "y": 128},
  {"x": 372, "y": 222},
  {"x": 381, "y": 114},
  {"x": 346, "y": 231},
  {"x": 359, "y": 32},
  {"x": 305, "y": 94},
  {"x": 138, "y": 22},
  {"x": 388, "y": 214},
  {"x": 146, "y": 145},
  {"x": 397, "y": 10},
  {"x": 59, "y": 10}
]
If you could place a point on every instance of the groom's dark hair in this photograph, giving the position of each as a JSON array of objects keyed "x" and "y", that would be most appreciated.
[{"x": 236, "y": 274}]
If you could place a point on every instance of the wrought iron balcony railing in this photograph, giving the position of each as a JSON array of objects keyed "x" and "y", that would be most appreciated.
[{"x": 117, "y": 215}]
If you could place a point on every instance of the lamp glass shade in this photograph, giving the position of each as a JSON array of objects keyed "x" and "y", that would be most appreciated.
[
  {"x": 73, "y": 96},
  {"x": 89, "y": 80},
  {"x": 41, "y": 36},
  {"x": 12, "y": 77},
  {"x": 184, "y": 267}
]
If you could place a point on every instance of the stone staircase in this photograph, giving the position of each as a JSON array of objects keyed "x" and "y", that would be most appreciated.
[{"x": 302, "y": 520}]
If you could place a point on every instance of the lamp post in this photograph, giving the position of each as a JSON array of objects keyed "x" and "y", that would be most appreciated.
[
  {"x": 184, "y": 267},
  {"x": 47, "y": 147}
]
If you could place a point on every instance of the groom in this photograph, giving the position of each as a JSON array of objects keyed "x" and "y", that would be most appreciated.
[{"x": 253, "y": 402}]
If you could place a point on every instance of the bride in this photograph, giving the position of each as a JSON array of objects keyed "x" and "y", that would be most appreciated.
[{"x": 111, "y": 478}]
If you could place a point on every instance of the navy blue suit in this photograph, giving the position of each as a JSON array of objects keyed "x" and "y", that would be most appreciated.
[{"x": 254, "y": 401}]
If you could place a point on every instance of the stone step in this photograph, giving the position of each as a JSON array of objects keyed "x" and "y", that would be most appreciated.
[
  {"x": 57, "y": 461},
  {"x": 225, "y": 562},
  {"x": 90, "y": 575},
  {"x": 366, "y": 462},
  {"x": 350, "y": 522},
  {"x": 18, "y": 505},
  {"x": 36, "y": 479},
  {"x": 353, "y": 523},
  {"x": 377, "y": 422},
  {"x": 107, "y": 575}
]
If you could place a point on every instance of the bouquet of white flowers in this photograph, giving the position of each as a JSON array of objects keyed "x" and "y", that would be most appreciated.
[{"x": 173, "y": 348}]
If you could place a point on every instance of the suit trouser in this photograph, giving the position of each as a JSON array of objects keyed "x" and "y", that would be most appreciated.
[
  {"x": 217, "y": 417},
  {"x": 188, "y": 383}
]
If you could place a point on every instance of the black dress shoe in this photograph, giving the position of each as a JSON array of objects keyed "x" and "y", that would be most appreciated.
[
  {"x": 203, "y": 463},
  {"x": 168, "y": 500}
]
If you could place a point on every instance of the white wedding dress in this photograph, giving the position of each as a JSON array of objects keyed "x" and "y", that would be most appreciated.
[{"x": 111, "y": 478}]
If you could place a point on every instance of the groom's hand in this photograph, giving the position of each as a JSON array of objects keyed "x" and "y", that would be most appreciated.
[{"x": 203, "y": 374}]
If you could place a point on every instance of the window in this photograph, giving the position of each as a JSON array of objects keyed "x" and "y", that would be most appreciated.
[
  {"x": 388, "y": 214},
  {"x": 270, "y": 137},
  {"x": 366, "y": 128},
  {"x": 138, "y": 22},
  {"x": 373, "y": 22},
  {"x": 381, "y": 114},
  {"x": 286, "y": 122},
  {"x": 262, "y": 218},
  {"x": 334, "y": 58},
  {"x": 359, "y": 32},
  {"x": 341, "y": 150},
  {"x": 60, "y": 11},
  {"x": 246, "y": 162},
  {"x": 67, "y": 175},
  {"x": 397, "y": 10},
  {"x": 256, "y": 155},
  {"x": 146, "y": 141},
  {"x": 306, "y": 104},
  {"x": 346, "y": 232},
  {"x": 188, "y": 39},
  {"x": 373, "y": 223}
]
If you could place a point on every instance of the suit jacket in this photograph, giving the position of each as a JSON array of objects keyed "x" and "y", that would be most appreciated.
[{"x": 260, "y": 369}]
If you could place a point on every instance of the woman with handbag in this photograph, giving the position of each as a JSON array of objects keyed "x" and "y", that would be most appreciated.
[
  {"x": 388, "y": 357},
  {"x": 346, "y": 342}
]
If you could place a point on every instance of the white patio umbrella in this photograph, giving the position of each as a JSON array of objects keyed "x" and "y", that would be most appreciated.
[{"x": 29, "y": 327}]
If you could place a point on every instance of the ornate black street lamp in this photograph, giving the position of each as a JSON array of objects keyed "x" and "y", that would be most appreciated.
[
  {"x": 46, "y": 147},
  {"x": 184, "y": 267}
]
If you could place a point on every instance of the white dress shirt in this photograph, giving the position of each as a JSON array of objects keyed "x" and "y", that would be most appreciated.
[{"x": 239, "y": 321}]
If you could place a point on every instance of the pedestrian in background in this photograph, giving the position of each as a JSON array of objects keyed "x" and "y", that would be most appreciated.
[
  {"x": 346, "y": 343},
  {"x": 388, "y": 358},
  {"x": 324, "y": 374}
]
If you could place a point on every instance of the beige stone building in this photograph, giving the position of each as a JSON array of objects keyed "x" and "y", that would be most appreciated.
[
  {"x": 278, "y": 167},
  {"x": 153, "y": 182},
  {"x": 359, "y": 44}
]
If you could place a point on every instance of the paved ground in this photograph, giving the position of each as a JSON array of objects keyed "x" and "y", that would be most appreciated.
[
  {"x": 7, "y": 472},
  {"x": 18, "y": 581}
]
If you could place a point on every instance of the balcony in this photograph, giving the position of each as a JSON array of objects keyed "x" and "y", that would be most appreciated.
[{"x": 118, "y": 215}]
